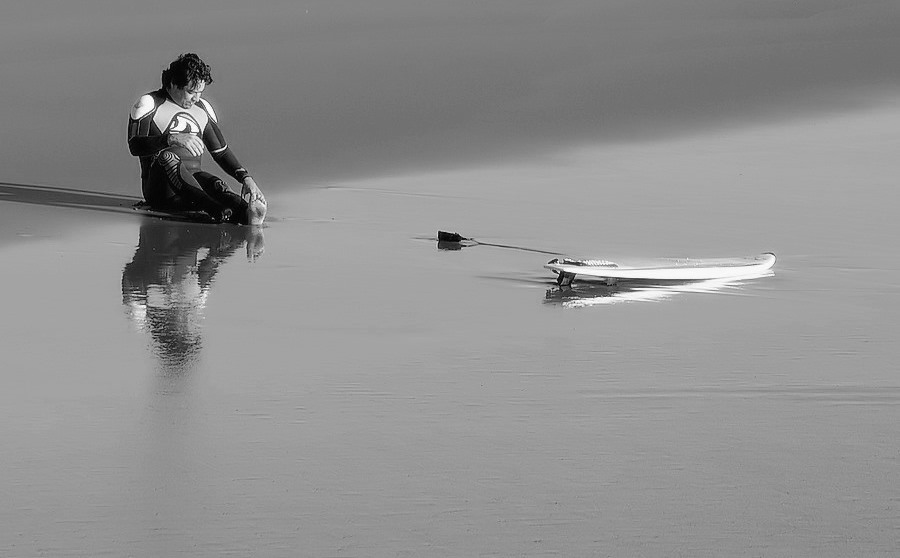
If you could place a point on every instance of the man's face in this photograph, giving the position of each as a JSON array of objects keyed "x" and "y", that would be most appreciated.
[{"x": 187, "y": 96}]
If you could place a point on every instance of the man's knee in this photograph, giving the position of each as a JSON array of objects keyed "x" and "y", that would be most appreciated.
[
  {"x": 167, "y": 157},
  {"x": 170, "y": 163}
]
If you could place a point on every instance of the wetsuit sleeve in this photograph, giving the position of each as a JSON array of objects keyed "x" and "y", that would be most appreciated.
[
  {"x": 221, "y": 153},
  {"x": 143, "y": 137}
]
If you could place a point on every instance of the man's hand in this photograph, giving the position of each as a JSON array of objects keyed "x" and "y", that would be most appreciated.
[
  {"x": 250, "y": 191},
  {"x": 188, "y": 141}
]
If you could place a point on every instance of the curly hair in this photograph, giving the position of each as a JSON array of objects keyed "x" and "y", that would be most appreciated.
[{"x": 186, "y": 69}]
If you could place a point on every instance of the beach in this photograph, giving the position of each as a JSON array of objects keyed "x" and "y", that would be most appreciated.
[{"x": 337, "y": 384}]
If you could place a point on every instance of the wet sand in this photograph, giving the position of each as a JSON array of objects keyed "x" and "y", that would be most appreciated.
[{"x": 336, "y": 385}]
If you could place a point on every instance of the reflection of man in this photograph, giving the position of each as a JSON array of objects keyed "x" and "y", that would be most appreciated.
[
  {"x": 169, "y": 129},
  {"x": 166, "y": 284}
]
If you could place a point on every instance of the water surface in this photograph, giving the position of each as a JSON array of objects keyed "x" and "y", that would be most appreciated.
[{"x": 336, "y": 385}]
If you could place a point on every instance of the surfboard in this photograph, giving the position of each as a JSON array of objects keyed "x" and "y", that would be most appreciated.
[
  {"x": 96, "y": 201},
  {"x": 662, "y": 269}
]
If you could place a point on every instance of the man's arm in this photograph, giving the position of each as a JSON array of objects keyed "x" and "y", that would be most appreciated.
[
  {"x": 143, "y": 137},
  {"x": 218, "y": 147},
  {"x": 225, "y": 157}
]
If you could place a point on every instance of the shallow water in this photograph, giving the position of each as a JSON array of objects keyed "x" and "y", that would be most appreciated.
[
  {"x": 336, "y": 385},
  {"x": 356, "y": 391}
]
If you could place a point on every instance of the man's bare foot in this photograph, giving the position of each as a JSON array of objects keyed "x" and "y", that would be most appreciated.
[{"x": 256, "y": 211}]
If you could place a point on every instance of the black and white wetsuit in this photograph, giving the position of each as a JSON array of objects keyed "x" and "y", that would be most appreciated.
[{"x": 171, "y": 177}]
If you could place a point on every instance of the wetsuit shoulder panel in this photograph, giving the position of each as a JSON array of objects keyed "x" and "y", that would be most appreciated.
[
  {"x": 144, "y": 106},
  {"x": 144, "y": 137},
  {"x": 209, "y": 109}
]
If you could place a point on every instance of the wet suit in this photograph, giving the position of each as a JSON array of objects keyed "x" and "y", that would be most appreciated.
[{"x": 171, "y": 178}]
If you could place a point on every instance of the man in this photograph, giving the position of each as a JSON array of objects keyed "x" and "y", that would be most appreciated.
[{"x": 169, "y": 130}]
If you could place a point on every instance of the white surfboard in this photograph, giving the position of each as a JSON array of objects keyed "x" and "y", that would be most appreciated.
[{"x": 662, "y": 269}]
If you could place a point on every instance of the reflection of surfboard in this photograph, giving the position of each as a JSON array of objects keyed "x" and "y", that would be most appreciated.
[
  {"x": 593, "y": 293},
  {"x": 662, "y": 269}
]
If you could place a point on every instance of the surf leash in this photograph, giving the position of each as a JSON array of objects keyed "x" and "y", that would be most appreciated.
[{"x": 455, "y": 241}]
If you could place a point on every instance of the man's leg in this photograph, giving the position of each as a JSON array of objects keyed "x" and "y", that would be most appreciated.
[
  {"x": 216, "y": 188},
  {"x": 171, "y": 185}
]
